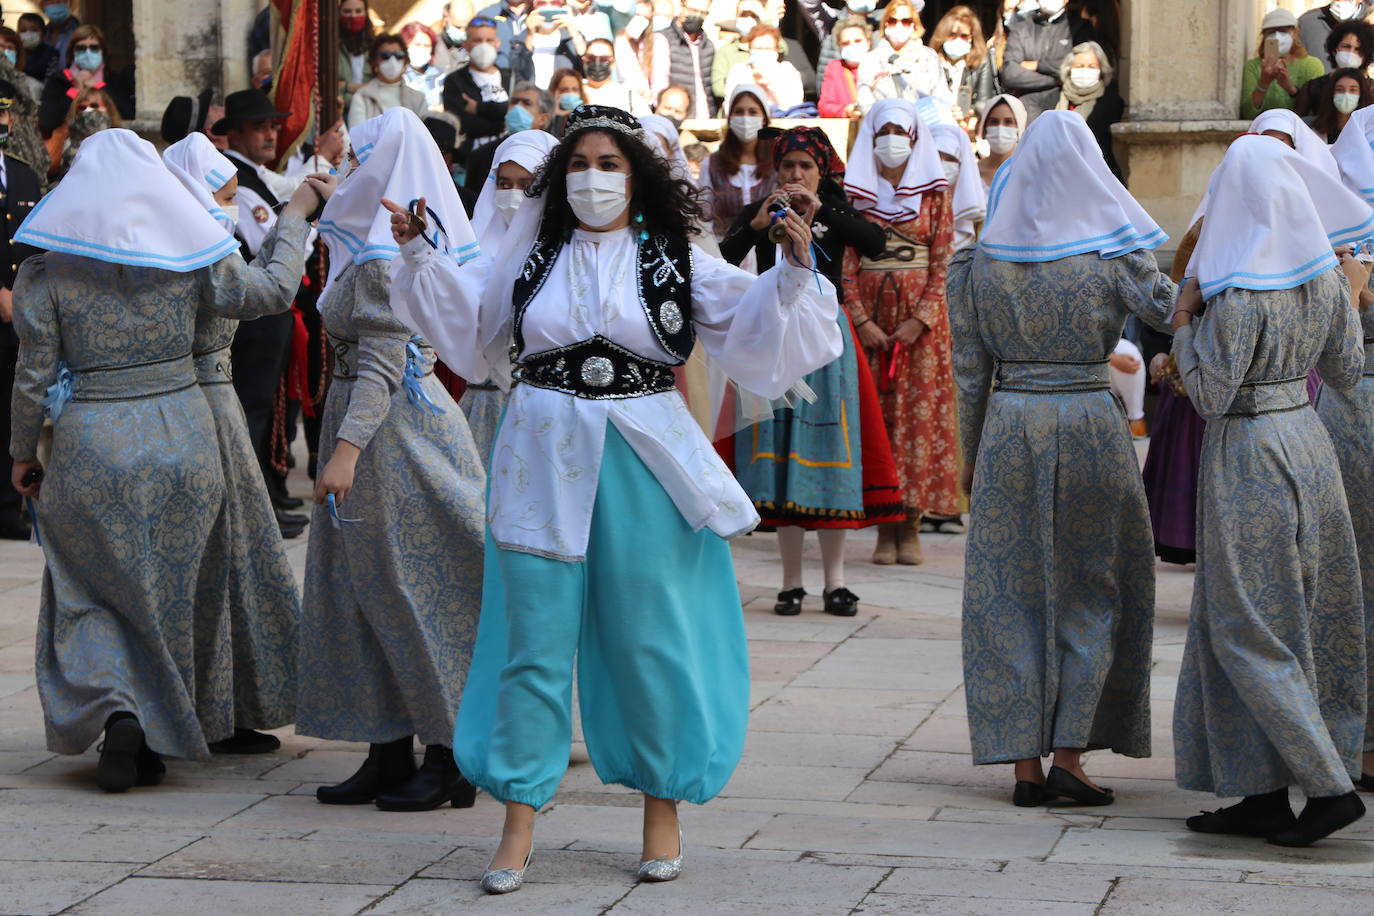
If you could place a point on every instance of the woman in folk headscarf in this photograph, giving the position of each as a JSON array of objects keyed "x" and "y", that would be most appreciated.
[
  {"x": 247, "y": 576},
  {"x": 999, "y": 130},
  {"x": 1059, "y": 583},
  {"x": 968, "y": 199},
  {"x": 1273, "y": 688},
  {"x": 106, "y": 320},
  {"x": 826, "y": 465},
  {"x": 393, "y": 573},
  {"x": 598, "y": 292},
  {"x": 897, "y": 301},
  {"x": 1284, "y": 125},
  {"x": 512, "y": 170}
]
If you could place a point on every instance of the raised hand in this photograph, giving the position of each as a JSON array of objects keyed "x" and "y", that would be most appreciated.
[{"x": 405, "y": 226}]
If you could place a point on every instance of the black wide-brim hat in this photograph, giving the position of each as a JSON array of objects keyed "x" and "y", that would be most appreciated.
[
  {"x": 246, "y": 105},
  {"x": 185, "y": 115}
]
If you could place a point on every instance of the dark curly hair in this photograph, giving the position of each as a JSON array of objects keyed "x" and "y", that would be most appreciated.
[
  {"x": 1361, "y": 30},
  {"x": 676, "y": 209}
]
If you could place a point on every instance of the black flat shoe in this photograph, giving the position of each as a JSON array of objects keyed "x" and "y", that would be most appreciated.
[
  {"x": 246, "y": 741},
  {"x": 1321, "y": 818},
  {"x": 789, "y": 602},
  {"x": 1028, "y": 794},
  {"x": 437, "y": 781},
  {"x": 1365, "y": 782},
  {"x": 118, "y": 767},
  {"x": 291, "y": 531},
  {"x": 841, "y": 602},
  {"x": 1060, "y": 783},
  {"x": 291, "y": 519},
  {"x": 287, "y": 503},
  {"x": 151, "y": 769},
  {"x": 1256, "y": 815},
  {"x": 387, "y": 767}
]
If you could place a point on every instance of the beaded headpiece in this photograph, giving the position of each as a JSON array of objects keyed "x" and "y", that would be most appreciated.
[{"x": 586, "y": 117}]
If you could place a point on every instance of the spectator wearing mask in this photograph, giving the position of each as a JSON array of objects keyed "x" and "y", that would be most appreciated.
[
  {"x": 13, "y": 50},
  {"x": 732, "y": 44},
  {"x": 792, "y": 50},
  {"x": 355, "y": 45},
  {"x": 600, "y": 85},
  {"x": 1316, "y": 25},
  {"x": 86, "y": 71},
  {"x": 421, "y": 74},
  {"x": 840, "y": 84},
  {"x": 260, "y": 70},
  {"x": 1035, "y": 48},
  {"x": 969, "y": 77},
  {"x": 825, "y": 21},
  {"x": 567, "y": 91},
  {"x": 1349, "y": 91},
  {"x": 690, "y": 55},
  {"x": 1350, "y": 45},
  {"x": 387, "y": 89},
  {"x": 531, "y": 108},
  {"x": 1004, "y": 121},
  {"x": 739, "y": 171},
  {"x": 674, "y": 103},
  {"x": 451, "y": 29},
  {"x": 968, "y": 201},
  {"x": 511, "y": 28},
  {"x": 91, "y": 112},
  {"x": 477, "y": 93},
  {"x": 22, "y": 190},
  {"x": 1090, "y": 92},
  {"x": 900, "y": 67},
  {"x": 766, "y": 69},
  {"x": 1273, "y": 81},
  {"x": 40, "y": 57},
  {"x": 553, "y": 42},
  {"x": 641, "y": 56},
  {"x": 62, "y": 26}
]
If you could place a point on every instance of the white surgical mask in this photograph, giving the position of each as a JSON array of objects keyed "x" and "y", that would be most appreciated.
[
  {"x": 1348, "y": 59},
  {"x": 232, "y": 212},
  {"x": 892, "y": 149},
  {"x": 897, "y": 35},
  {"x": 662, "y": 22},
  {"x": 1002, "y": 139},
  {"x": 763, "y": 60},
  {"x": 956, "y": 48},
  {"x": 391, "y": 69},
  {"x": 30, "y": 39},
  {"x": 419, "y": 57},
  {"x": 1285, "y": 40},
  {"x": 745, "y": 127},
  {"x": 862, "y": 7},
  {"x": 854, "y": 53},
  {"x": 951, "y": 170},
  {"x": 597, "y": 198},
  {"x": 1084, "y": 77},
  {"x": 1051, "y": 8},
  {"x": 508, "y": 200},
  {"x": 1346, "y": 102},
  {"x": 745, "y": 24},
  {"x": 636, "y": 28},
  {"x": 482, "y": 56},
  {"x": 1028, "y": 7},
  {"x": 1344, "y": 9}
]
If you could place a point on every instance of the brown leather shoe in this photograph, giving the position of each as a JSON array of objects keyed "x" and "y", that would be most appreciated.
[
  {"x": 909, "y": 543},
  {"x": 885, "y": 553}
]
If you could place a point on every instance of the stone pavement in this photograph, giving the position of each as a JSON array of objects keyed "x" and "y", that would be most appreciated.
[{"x": 856, "y": 795}]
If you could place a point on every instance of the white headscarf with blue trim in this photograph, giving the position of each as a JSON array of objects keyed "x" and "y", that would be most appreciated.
[
  {"x": 1272, "y": 219},
  {"x": 1055, "y": 197},
  {"x": 1354, "y": 152},
  {"x": 400, "y": 162},
  {"x": 202, "y": 170},
  {"x": 120, "y": 204},
  {"x": 527, "y": 149}
]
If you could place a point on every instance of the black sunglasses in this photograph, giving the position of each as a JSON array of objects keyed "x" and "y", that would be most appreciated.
[
  {"x": 481, "y": 22},
  {"x": 392, "y": 55}
]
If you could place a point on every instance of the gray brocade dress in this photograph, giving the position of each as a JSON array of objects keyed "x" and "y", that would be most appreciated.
[
  {"x": 246, "y": 576},
  {"x": 133, "y": 491},
  {"x": 391, "y": 601},
  {"x": 1349, "y": 419},
  {"x": 1059, "y": 573},
  {"x": 1272, "y": 691}
]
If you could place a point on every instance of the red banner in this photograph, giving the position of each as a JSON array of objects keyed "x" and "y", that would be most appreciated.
[{"x": 297, "y": 72}]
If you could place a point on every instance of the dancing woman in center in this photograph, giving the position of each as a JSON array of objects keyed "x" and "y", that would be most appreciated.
[
  {"x": 1059, "y": 594},
  {"x": 608, "y": 508}
]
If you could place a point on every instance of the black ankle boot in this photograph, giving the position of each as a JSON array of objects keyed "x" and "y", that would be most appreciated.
[
  {"x": 151, "y": 769},
  {"x": 436, "y": 782},
  {"x": 246, "y": 741},
  {"x": 388, "y": 766},
  {"x": 1255, "y": 815},
  {"x": 1320, "y": 818},
  {"x": 118, "y": 767}
]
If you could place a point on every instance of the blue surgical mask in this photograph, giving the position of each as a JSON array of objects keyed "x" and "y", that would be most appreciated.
[
  {"x": 57, "y": 12},
  {"x": 12, "y": 56},
  {"x": 518, "y": 118},
  {"x": 569, "y": 100},
  {"x": 88, "y": 60}
]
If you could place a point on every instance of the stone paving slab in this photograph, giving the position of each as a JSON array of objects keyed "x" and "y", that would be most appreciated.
[
  {"x": 890, "y": 837},
  {"x": 905, "y": 904},
  {"x": 52, "y": 886},
  {"x": 139, "y": 896},
  {"x": 1156, "y": 897},
  {"x": 314, "y": 861}
]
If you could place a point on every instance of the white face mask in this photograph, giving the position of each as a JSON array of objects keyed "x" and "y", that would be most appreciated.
[
  {"x": 391, "y": 69},
  {"x": 1002, "y": 140},
  {"x": 1348, "y": 60},
  {"x": 854, "y": 53},
  {"x": 636, "y": 28},
  {"x": 30, "y": 39},
  {"x": 892, "y": 149},
  {"x": 862, "y": 7},
  {"x": 597, "y": 198},
  {"x": 1344, "y": 9},
  {"x": 420, "y": 57},
  {"x": 1346, "y": 102},
  {"x": 1285, "y": 40},
  {"x": 763, "y": 60},
  {"x": 508, "y": 200},
  {"x": 1051, "y": 8},
  {"x": 956, "y": 48},
  {"x": 745, "y": 24},
  {"x": 745, "y": 127},
  {"x": 1085, "y": 77},
  {"x": 231, "y": 211},
  {"x": 897, "y": 35},
  {"x": 951, "y": 170},
  {"x": 662, "y": 22},
  {"x": 482, "y": 56}
]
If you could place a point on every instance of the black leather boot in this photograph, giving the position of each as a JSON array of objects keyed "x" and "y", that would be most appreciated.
[
  {"x": 246, "y": 741},
  {"x": 388, "y": 766},
  {"x": 437, "y": 781},
  {"x": 117, "y": 770}
]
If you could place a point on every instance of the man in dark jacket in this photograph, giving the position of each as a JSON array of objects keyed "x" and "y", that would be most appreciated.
[
  {"x": 509, "y": 16},
  {"x": 478, "y": 94},
  {"x": 1315, "y": 24},
  {"x": 690, "y": 54},
  {"x": 1035, "y": 51}
]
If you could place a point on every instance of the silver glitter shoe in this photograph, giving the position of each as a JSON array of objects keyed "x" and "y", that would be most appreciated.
[
  {"x": 506, "y": 880},
  {"x": 664, "y": 869}
]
